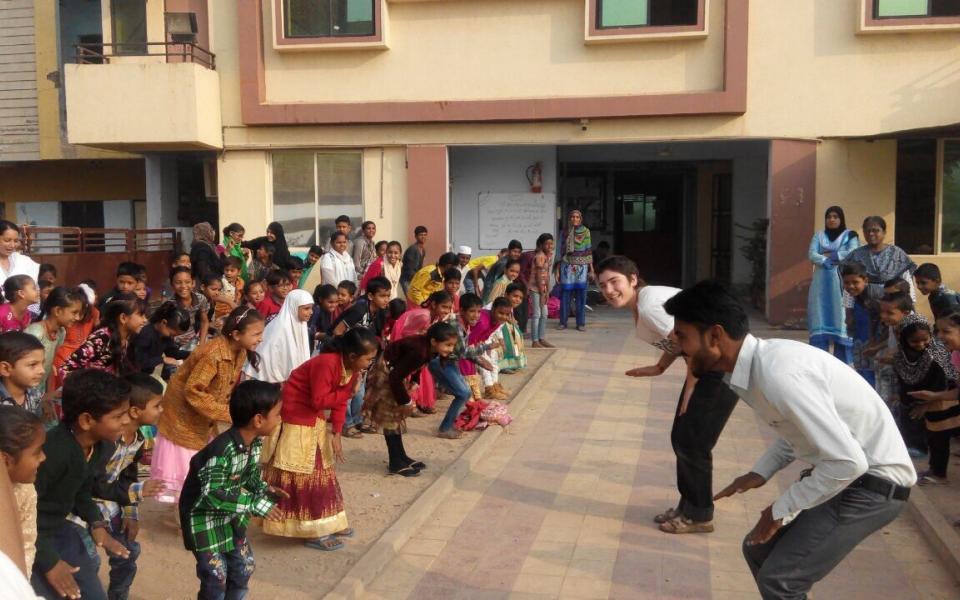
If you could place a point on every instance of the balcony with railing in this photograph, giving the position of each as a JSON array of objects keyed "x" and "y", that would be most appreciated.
[
  {"x": 88, "y": 253},
  {"x": 143, "y": 96}
]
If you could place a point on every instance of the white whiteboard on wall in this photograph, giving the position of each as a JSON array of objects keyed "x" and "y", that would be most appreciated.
[{"x": 515, "y": 216}]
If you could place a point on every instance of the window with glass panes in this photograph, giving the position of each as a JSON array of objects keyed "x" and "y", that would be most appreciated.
[
  {"x": 928, "y": 196},
  {"x": 311, "y": 189},
  {"x": 328, "y": 18},
  {"x": 903, "y": 9},
  {"x": 646, "y": 13},
  {"x": 128, "y": 20}
]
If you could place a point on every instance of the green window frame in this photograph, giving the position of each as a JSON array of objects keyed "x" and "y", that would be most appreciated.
[
  {"x": 906, "y": 9},
  {"x": 620, "y": 14},
  {"x": 329, "y": 18}
]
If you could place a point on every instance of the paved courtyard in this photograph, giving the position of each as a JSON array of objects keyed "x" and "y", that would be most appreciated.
[{"x": 563, "y": 504}]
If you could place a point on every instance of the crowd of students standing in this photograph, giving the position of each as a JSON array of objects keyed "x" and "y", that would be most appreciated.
[
  {"x": 252, "y": 355},
  {"x": 862, "y": 305}
]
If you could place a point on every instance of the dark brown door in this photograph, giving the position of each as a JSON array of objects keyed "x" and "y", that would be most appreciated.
[{"x": 649, "y": 211}]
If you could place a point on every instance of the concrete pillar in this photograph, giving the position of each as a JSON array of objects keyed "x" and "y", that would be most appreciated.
[
  {"x": 792, "y": 197},
  {"x": 428, "y": 191},
  {"x": 162, "y": 192}
]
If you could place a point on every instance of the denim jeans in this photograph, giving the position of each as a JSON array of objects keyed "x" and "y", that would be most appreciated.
[
  {"x": 355, "y": 406},
  {"x": 538, "y": 320},
  {"x": 70, "y": 545},
  {"x": 447, "y": 373},
  {"x": 122, "y": 570},
  {"x": 225, "y": 575},
  {"x": 580, "y": 297}
]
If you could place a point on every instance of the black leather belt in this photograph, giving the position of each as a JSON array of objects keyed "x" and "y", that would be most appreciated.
[{"x": 882, "y": 487}]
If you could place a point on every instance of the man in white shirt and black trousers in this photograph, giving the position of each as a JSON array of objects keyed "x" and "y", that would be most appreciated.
[{"x": 826, "y": 415}]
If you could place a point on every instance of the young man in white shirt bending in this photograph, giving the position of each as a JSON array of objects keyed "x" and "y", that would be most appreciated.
[
  {"x": 826, "y": 415},
  {"x": 704, "y": 405}
]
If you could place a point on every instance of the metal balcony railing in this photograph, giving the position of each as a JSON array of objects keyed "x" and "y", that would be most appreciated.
[
  {"x": 97, "y": 53},
  {"x": 70, "y": 240}
]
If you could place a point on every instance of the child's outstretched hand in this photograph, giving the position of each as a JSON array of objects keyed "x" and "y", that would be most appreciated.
[
  {"x": 923, "y": 396},
  {"x": 275, "y": 514},
  {"x": 60, "y": 578},
  {"x": 152, "y": 488},
  {"x": 278, "y": 492},
  {"x": 650, "y": 371},
  {"x": 130, "y": 528},
  {"x": 103, "y": 539}
]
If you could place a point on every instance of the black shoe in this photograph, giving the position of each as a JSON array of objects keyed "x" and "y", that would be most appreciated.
[{"x": 408, "y": 471}]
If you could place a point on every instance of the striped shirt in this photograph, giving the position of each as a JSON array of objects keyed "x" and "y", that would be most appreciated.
[{"x": 116, "y": 489}]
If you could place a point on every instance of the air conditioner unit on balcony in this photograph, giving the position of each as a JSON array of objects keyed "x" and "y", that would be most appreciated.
[{"x": 181, "y": 27}]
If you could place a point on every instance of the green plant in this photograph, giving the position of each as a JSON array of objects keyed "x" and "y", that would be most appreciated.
[{"x": 755, "y": 251}]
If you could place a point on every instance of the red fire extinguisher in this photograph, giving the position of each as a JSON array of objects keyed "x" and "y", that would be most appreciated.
[{"x": 535, "y": 177}]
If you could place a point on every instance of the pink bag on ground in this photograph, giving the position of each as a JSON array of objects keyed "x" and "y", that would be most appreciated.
[
  {"x": 553, "y": 308},
  {"x": 495, "y": 412}
]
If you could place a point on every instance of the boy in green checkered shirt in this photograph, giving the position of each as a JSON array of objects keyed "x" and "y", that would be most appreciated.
[{"x": 224, "y": 487}]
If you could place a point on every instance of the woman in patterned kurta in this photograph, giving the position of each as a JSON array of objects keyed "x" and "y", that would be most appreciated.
[
  {"x": 574, "y": 269},
  {"x": 881, "y": 261},
  {"x": 826, "y": 315}
]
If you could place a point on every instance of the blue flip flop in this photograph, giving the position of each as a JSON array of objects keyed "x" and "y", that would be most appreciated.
[
  {"x": 318, "y": 544},
  {"x": 346, "y": 533}
]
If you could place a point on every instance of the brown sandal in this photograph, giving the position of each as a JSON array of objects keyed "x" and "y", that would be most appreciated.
[
  {"x": 685, "y": 525},
  {"x": 667, "y": 515},
  {"x": 353, "y": 434}
]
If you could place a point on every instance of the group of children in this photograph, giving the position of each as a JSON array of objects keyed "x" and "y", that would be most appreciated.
[
  {"x": 911, "y": 362},
  {"x": 90, "y": 390}
]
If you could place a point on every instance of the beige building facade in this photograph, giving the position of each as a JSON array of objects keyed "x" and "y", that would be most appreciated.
[{"x": 674, "y": 125}]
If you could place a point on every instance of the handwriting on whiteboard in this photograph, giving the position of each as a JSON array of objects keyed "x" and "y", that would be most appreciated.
[{"x": 515, "y": 216}]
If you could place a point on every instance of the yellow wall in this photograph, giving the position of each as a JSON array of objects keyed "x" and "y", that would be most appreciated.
[
  {"x": 52, "y": 144},
  {"x": 165, "y": 106},
  {"x": 391, "y": 220},
  {"x": 810, "y": 75},
  {"x": 860, "y": 177},
  {"x": 491, "y": 49},
  {"x": 243, "y": 182}
]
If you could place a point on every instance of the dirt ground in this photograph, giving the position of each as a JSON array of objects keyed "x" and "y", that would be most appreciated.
[
  {"x": 946, "y": 496},
  {"x": 287, "y": 569}
]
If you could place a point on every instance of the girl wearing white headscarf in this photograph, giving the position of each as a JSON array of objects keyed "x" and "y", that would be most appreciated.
[{"x": 286, "y": 341}]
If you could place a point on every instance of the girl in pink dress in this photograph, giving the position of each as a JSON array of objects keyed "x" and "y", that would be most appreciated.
[{"x": 20, "y": 292}]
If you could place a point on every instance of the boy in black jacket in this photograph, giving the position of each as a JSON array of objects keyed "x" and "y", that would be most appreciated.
[
  {"x": 95, "y": 413},
  {"x": 117, "y": 489}
]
